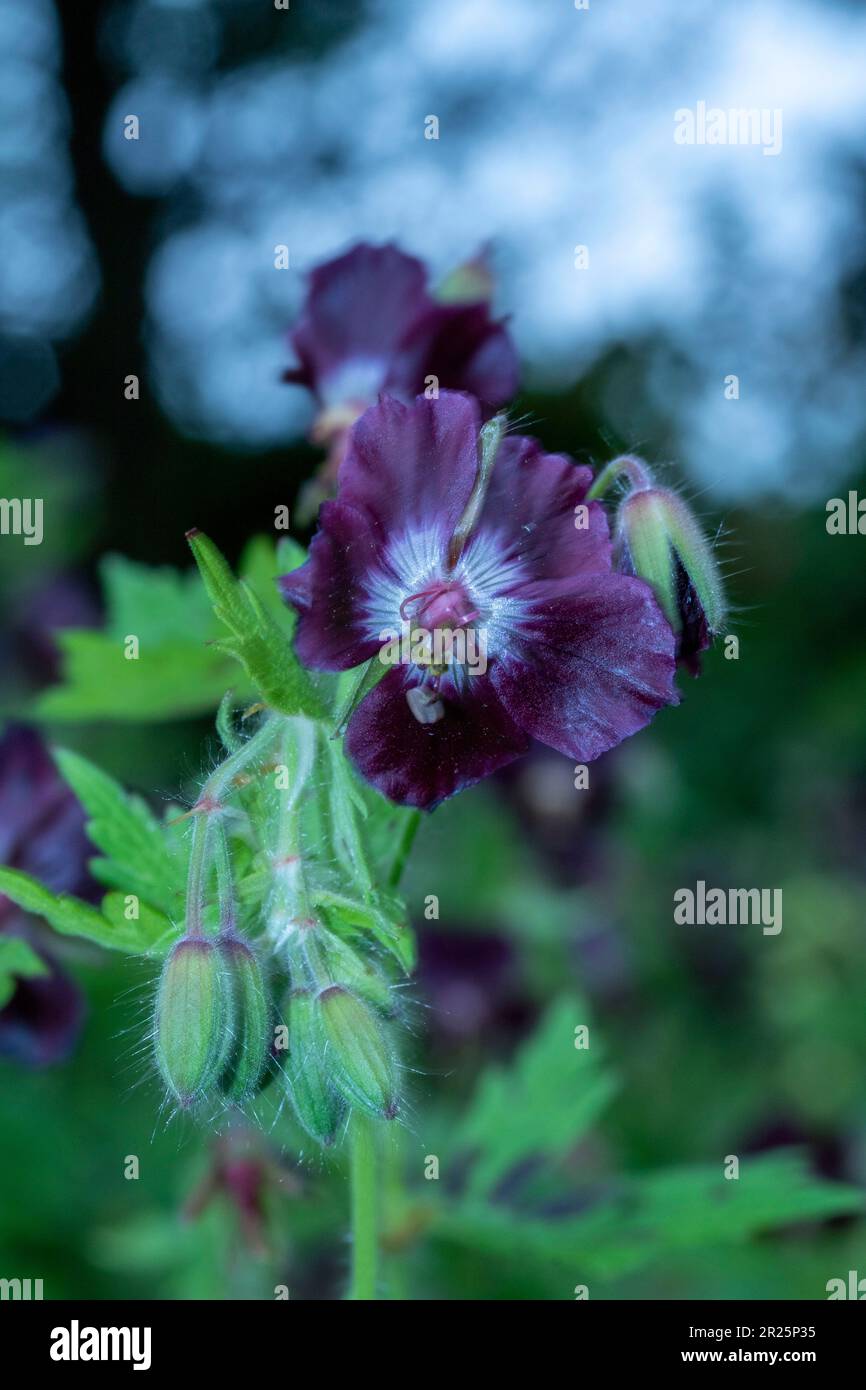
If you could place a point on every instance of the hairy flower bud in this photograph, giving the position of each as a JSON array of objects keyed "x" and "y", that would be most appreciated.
[
  {"x": 317, "y": 1105},
  {"x": 192, "y": 1027},
  {"x": 331, "y": 960},
  {"x": 658, "y": 539},
  {"x": 361, "y": 1058},
  {"x": 247, "y": 1062}
]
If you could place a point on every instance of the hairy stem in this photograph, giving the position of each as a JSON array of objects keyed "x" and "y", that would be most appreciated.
[
  {"x": 626, "y": 466},
  {"x": 364, "y": 1181},
  {"x": 407, "y": 838},
  {"x": 205, "y": 814}
]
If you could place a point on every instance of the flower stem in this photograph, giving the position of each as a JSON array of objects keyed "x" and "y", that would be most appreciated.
[
  {"x": 627, "y": 465},
  {"x": 364, "y": 1208},
  {"x": 398, "y": 863}
]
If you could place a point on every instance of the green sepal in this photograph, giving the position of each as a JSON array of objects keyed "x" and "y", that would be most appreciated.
[
  {"x": 193, "y": 1033},
  {"x": 250, "y": 1010},
  {"x": 360, "y": 1056},
  {"x": 256, "y": 641},
  {"x": 319, "y": 1107}
]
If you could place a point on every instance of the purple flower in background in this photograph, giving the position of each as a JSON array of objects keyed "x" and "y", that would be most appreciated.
[
  {"x": 547, "y": 641},
  {"x": 41, "y": 1023},
  {"x": 370, "y": 325},
  {"x": 41, "y": 832}
]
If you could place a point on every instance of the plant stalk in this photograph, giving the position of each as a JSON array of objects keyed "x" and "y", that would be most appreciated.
[{"x": 365, "y": 1197}]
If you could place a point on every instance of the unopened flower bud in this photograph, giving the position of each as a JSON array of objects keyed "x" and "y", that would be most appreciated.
[
  {"x": 317, "y": 1105},
  {"x": 331, "y": 960},
  {"x": 192, "y": 1027},
  {"x": 658, "y": 539},
  {"x": 360, "y": 1056},
  {"x": 247, "y": 1062}
]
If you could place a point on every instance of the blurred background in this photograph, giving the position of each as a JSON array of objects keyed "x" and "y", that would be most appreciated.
[{"x": 155, "y": 257}]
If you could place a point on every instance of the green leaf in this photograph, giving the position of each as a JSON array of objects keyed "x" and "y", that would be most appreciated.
[
  {"x": 178, "y": 672},
  {"x": 256, "y": 640},
  {"x": 648, "y": 1217},
  {"x": 137, "y": 859},
  {"x": 17, "y": 959},
  {"x": 153, "y": 933},
  {"x": 169, "y": 681},
  {"x": 387, "y": 924},
  {"x": 156, "y": 604},
  {"x": 543, "y": 1103},
  {"x": 74, "y": 918},
  {"x": 182, "y": 669},
  {"x": 354, "y": 687}
]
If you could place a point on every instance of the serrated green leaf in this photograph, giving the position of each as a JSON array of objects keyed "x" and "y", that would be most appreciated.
[
  {"x": 71, "y": 917},
  {"x": 171, "y": 680},
  {"x": 181, "y": 670},
  {"x": 17, "y": 959},
  {"x": 647, "y": 1217},
  {"x": 155, "y": 604},
  {"x": 152, "y": 933},
  {"x": 542, "y": 1104},
  {"x": 256, "y": 640},
  {"x": 137, "y": 860}
]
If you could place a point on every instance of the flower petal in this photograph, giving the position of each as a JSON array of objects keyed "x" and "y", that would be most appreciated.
[
  {"x": 412, "y": 465},
  {"x": 467, "y": 350},
  {"x": 42, "y": 1021},
  {"x": 331, "y": 634},
  {"x": 422, "y": 764},
  {"x": 360, "y": 307},
  {"x": 530, "y": 505},
  {"x": 586, "y": 670}
]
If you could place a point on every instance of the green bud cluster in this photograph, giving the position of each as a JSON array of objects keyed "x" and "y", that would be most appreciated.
[
  {"x": 276, "y": 974},
  {"x": 212, "y": 1026},
  {"x": 341, "y": 1055}
]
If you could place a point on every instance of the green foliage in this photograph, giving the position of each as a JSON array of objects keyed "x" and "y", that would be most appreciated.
[
  {"x": 135, "y": 849},
  {"x": 543, "y": 1103},
  {"x": 176, "y": 674},
  {"x": 139, "y": 861},
  {"x": 170, "y": 681},
  {"x": 17, "y": 959},
  {"x": 541, "y": 1107},
  {"x": 256, "y": 640},
  {"x": 70, "y": 917},
  {"x": 647, "y": 1219},
  {"x": 382, "y": 916},
  {"x": 185, "y": 662}
]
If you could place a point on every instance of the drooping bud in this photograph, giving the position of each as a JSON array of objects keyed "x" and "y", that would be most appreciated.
[
  {"x": 360, "y": 1057},
  {"x": 192, "y": 1026},
  {"x": 317, "y": 1105},
  {"x": 333, "y": 961},
  {"x": 247, "y": 1064},
  {"x": 658, "y": 539}
]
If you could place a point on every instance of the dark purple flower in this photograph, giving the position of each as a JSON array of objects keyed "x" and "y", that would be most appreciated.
[
  {"x": 370, "y": 325},
  {"x": 41, "y": 832},
  {"x": 41, "y": 821},
  {"x": 60, "y": 602},
  {"x": 575, "y": 654},
  {"x": 41, "y": 1022}
]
